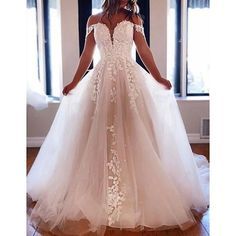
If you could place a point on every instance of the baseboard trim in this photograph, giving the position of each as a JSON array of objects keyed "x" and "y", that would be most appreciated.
[
  {"x": 196, "y": 138},
  {"x": 35, "y": 141},
  {"x": 38, "y": 141}
]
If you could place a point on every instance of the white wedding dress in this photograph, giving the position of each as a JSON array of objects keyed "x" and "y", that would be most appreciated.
[{"x": 117, "y": 153}]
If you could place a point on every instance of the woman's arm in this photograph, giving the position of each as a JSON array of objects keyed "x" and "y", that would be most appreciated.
[
  {"x": 146, "y": 54},
  {"x": 85, "y": 59}
]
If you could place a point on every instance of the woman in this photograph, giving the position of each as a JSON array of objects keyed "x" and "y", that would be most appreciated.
[{"x": 117, "y": 153}]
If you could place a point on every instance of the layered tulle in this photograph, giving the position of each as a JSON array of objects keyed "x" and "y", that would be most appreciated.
[{"x": 117, "y": 155}]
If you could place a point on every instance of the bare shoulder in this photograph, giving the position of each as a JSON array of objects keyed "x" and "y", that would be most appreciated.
[
  {"x": 94, "y": 19},
  {"x": 137, "y": 19}
]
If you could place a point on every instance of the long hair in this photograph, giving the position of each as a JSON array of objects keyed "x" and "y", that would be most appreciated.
[{"x": 111, "y": 7}]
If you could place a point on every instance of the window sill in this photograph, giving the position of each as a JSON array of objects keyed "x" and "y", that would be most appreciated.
[
  {"x": 187, "y": 98},
  {"x": 193, "y": 98},
  {"x": 53, "y": 99}
]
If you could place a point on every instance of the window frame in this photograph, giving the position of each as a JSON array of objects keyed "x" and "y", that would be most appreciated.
[
  {"x": 178, "y": 49},
  {"x": 43, "y": 46},
  {"x": 40, "y": 42},
  {"x": 184, "y": 49},
  {"x": 47, "y": 48}
]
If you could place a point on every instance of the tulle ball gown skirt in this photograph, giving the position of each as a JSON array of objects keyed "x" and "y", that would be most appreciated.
[{"x": 117, "y": 155}]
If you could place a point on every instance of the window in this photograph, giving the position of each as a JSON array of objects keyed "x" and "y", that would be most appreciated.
[
  {"x": 198, "y": 47},
  {"x": 44, "y": 45},
  {"x": 96, "y": 8},
  {"x": 188, "y": 46},
  {"x": 52, "y": 47},
  {"x": 174, "y": 45},
  {"x": 32, "y": 41}
]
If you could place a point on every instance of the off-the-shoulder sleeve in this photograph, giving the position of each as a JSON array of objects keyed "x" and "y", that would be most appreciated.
[
  {"x": 89, "y": 29},
  {"x": 139, "y": 28}
]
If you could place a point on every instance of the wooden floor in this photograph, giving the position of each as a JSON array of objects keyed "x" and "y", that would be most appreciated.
[{"x": 200, "y": 229}]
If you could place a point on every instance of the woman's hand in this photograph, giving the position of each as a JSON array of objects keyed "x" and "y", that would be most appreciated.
[
  {"x": 165, "y": 82},
  {"x": 68, "y": 88}
]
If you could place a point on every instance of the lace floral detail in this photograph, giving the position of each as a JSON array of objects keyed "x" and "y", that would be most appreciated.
[
  {"x": 96, "y": 83},
  {"x": 89, "y": 29},
  {"x": 115, "y": 57},
  {"x": 133, "y": 90},
  {"x": 113, "y": 69},
  {"x": 115, "y": 195},
  {"x": 109, "y": 71},
  {"x": 112, "y": 131},
  {"x": 113, "y": 94},
  {"x": 139, "y": 28}
]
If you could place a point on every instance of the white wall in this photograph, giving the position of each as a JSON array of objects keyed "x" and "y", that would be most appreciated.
[
  {"x": 69, "y": 38},
  {"x": 39, "y": 122},
  {"x": 158, "y": 33}
]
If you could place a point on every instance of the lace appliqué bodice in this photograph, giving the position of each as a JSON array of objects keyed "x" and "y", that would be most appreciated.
[
  {"x": 119, "y": 42},
  {"x": 138, "y": 28},
  {"x": 115, "y": 51}
]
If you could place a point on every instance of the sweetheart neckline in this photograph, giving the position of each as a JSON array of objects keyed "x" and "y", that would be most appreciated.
[
  {"x": 116, "y": 24},
  {"x": 109, "y": 31}
]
